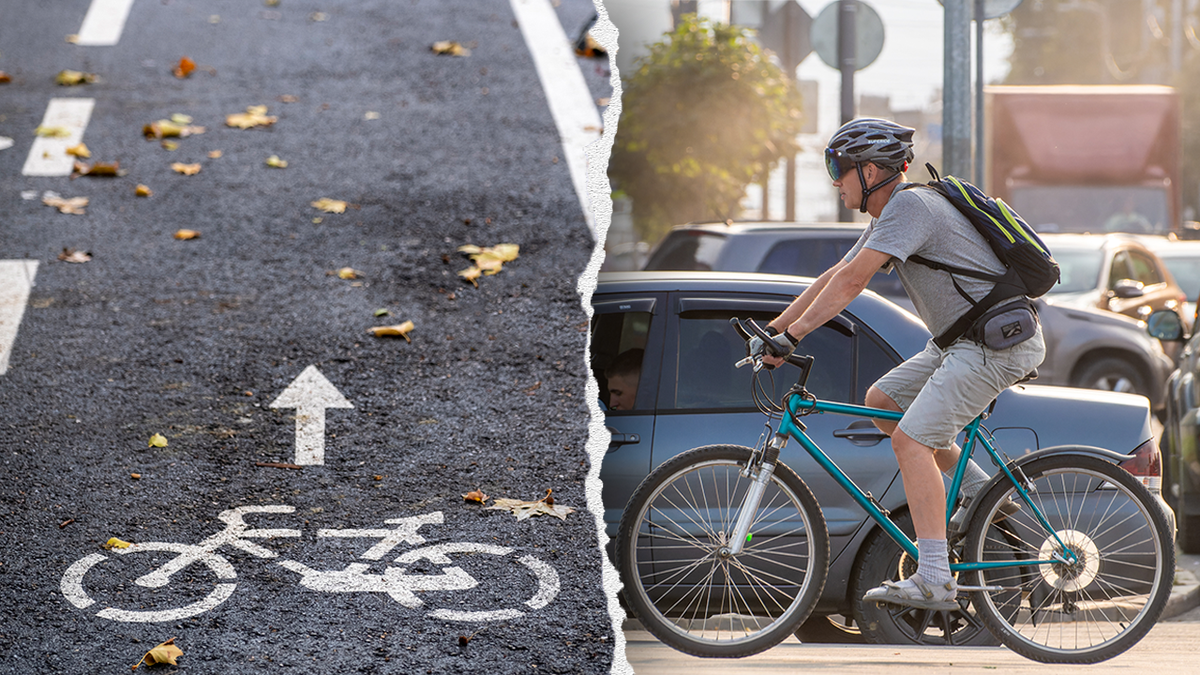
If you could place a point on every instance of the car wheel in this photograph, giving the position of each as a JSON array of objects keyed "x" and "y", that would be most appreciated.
[
  {"x": 829, "y": 629},
  {"x": 1110, "y": 374}
]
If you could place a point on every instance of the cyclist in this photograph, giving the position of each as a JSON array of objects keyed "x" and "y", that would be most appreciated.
[{"x": 939, "y": 390}]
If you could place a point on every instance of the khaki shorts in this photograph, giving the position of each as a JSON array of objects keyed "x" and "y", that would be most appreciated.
[{"x": 940, "y": 391}]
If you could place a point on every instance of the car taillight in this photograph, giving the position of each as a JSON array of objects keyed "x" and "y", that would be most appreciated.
[{"x": 1146, "y": 465}]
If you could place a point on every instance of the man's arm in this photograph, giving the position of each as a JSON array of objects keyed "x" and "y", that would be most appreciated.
[
  {"x": 805, "y": 299},
  {"x": 845, "y": 281}
]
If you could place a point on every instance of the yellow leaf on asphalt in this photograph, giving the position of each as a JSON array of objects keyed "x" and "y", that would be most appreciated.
[
  {"x": 255, "y": 116},
  {"x": 142, "y": 191},
  {"x": 109, "y": 169},
  {"x": 476, "y": 496},
  {"x": 274, "y": 161},
  {"x": 399, "y": 330},
  {"x": 542, "y": 507},
  {"x": 158, "y": 441},
  {"x": 72, "y": 256},
  {"x": 180, "y": 118},
  {"x": 115, "y": 543},
  {"x": 348, "y": 273},
  {"x": 186, "y": 169},
  {"x": 70, "y": 78},
  {"x": 74, "y": 205},
  {"x": 449, "y": 48},
  {"x": 330, "y": 205},
  {"x": 170, "y": 146},
  {"x": 171, "y": 129},
  {"x": 165, "y": 652},
  {"x": 184, "y": 68},
  {"x": 52, "y": 132},
  {"x": 184, "y": 235},
  {"x": 215, "y": 154},
  {"x": 80, "y": 151},
  {"x": 471, "y": 274}
]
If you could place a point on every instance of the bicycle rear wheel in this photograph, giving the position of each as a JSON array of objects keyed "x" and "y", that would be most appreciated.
[
  {"x": 681, "y": 580},
  {"x": 1090, "y": 610}
]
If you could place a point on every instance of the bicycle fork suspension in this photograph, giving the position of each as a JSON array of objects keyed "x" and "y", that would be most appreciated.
[{"x": 760, "y": 474}]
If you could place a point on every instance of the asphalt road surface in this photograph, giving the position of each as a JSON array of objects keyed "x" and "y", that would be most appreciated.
[{"x": 366, "y": 558}]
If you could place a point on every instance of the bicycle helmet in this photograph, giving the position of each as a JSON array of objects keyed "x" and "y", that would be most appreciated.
[{"x": 869, "y": 139}]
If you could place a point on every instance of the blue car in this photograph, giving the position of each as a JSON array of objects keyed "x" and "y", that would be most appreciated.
[{"x": 683, "y": 391}]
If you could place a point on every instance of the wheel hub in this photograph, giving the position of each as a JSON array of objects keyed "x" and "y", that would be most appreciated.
[{"x": 1074, "y": 576}]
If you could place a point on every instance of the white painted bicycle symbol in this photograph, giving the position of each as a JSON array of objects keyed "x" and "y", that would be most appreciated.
[{"x": 396, "y": 580}]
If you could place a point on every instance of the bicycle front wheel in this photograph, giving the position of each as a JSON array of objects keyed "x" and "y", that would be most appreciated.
[
  {"x": 1084, "y": 611},
  {"x": 680, "y": 577}
]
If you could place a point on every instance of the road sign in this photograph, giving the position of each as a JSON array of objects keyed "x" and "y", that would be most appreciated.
[
  {"x": 868, "y": 31},
  {"x": 310, "y": 394},
  {"x": 785, "y": 30},
  {"x": 993, "y": 9}
]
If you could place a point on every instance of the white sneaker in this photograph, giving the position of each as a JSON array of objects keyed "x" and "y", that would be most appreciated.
[{"x": 914, "y": 592}]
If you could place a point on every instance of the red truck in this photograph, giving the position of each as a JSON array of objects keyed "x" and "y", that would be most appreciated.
[{"x": 1083, "y": 158}]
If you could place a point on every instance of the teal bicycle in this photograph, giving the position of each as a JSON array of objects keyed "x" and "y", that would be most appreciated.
[{"x": 724, "y": 551}]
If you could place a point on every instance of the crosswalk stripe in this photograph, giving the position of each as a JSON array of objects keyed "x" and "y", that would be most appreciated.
[
  {"x": 104, "y": 22},
  {"x": 48, "y": 156},
  {"x": 16, "y": 278}
]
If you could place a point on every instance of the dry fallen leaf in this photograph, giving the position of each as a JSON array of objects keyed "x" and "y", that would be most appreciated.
[
  {"x": 523, "y": 510},
  {"x": 330, "y": 205},
  {"x": 5, "y": 78},
  {"x": 107, "y": 169},
  {"x": 215, "y": 154},
  {"x": 165, "y": 652},
  {"x": 142, "y": 191},
  {"x": 70, "y": 78},
  {"x": 80, "y": 151},
  {"x": 184, "y": 235},
  {"x": 72, "y": 256},
  {"x": 476, "y": 496},
  {"x": 288, "y": 98},
  {"x": 52, "y": 132},
  {"x": 348, "y": 273},
  {"x": 398, "y": 330},
  {"x": 185, "y": 68},
  {"x": 274, "y": 161},
  {"x": 471, "y": 274},
  {"x": 158, "y": 441},
  {"x": 488, "y": 260},
  {"x": 114, "y": 543},
  {"x": 74, "y": 205},
  {"x": 255, "y": 116},
  {"x": 170, "y": 129},
  {"x": 449, "y": 48},
  {"x": 186, "y": 169}
]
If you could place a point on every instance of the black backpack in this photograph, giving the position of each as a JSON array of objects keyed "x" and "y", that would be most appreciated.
[{"x": 1030, "y": 269}]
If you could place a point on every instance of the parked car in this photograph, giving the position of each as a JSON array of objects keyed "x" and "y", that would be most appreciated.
[
  {"x": 1113, "y": 272},
  {"x": 1084, "y": 347},
  {"x": 688, "y": 393},
  {"x": 1181, "y": 428},
  {"x": 1182, "y": 258}
]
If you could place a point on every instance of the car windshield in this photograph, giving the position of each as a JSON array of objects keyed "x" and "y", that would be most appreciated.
[
  {"x": 1185, "y": 267},
  {"x": 687, "y": 250},
  {"x": 1080, "y": 269}
]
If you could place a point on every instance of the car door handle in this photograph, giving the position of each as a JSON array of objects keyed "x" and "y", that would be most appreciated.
[
  {"x": 618, "y": 439},
  {"x": 861, "y": 432}
]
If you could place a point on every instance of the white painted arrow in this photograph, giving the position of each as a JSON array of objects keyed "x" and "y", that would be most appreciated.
[{"x": 310, "y": 394}]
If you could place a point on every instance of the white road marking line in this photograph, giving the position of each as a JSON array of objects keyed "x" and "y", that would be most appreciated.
[
  {"x": 310, "y": 394},
  {"x": 48, "y": 156},
  {"x": 567, "y": 93},
  {"x": 104, "y": 22},
  {"x": 16, "y": 278}
]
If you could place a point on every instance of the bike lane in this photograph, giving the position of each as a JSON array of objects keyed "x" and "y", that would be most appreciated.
[{"x": 196, "y": 340}]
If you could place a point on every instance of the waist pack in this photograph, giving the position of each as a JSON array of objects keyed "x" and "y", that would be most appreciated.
[
  {"x": 1005, "y": 326},
  {"x": 1030, "y": 269}
]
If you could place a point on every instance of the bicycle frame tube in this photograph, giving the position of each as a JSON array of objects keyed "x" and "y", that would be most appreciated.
[{"x": 788, "y": 427}]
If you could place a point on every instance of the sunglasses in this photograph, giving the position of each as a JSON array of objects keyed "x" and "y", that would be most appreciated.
[{"x": 837, "y": 164}]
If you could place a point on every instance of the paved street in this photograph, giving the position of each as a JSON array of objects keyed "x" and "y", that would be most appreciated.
[{"x": 292, "y": 483}]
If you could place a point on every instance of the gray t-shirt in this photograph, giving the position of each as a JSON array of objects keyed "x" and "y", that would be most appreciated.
[{"x": 919, "y": 221}]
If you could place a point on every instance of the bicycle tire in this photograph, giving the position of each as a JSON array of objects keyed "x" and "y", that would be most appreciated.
[
  {"x": 681, "y": 583},
  {"x": 1085, "y": 612}
]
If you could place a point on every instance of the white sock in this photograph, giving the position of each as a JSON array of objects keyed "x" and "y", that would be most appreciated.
[
  {"x": 973, "y": 479},
  {"x": 934, "y": 563}
]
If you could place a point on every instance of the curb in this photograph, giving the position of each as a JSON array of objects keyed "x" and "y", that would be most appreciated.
[{"x": 1185, "y": 595}]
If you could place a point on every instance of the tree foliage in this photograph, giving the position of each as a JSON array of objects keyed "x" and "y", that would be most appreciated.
[{"x": 704, "y": 114}]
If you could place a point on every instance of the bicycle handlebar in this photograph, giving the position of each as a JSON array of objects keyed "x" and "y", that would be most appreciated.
[{"x": 744, "y": 330}]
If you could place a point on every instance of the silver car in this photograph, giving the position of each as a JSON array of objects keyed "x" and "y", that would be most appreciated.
[{"x": 1085, "y": 348}]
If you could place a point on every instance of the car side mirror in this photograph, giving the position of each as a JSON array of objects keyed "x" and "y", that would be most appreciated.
[
  {"x": 1128, "y": 288},
  {"x": 1165, "y": 324}
]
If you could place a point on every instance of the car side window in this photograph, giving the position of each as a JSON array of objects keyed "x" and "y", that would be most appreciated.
[
  {"x": 618, "y": 347},
  {"x": 874, "y": 360},
  {"x": 1144, "y": 270},
  {"x": 709, "y": 348},
  {"x": 804, "y": 257}
]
